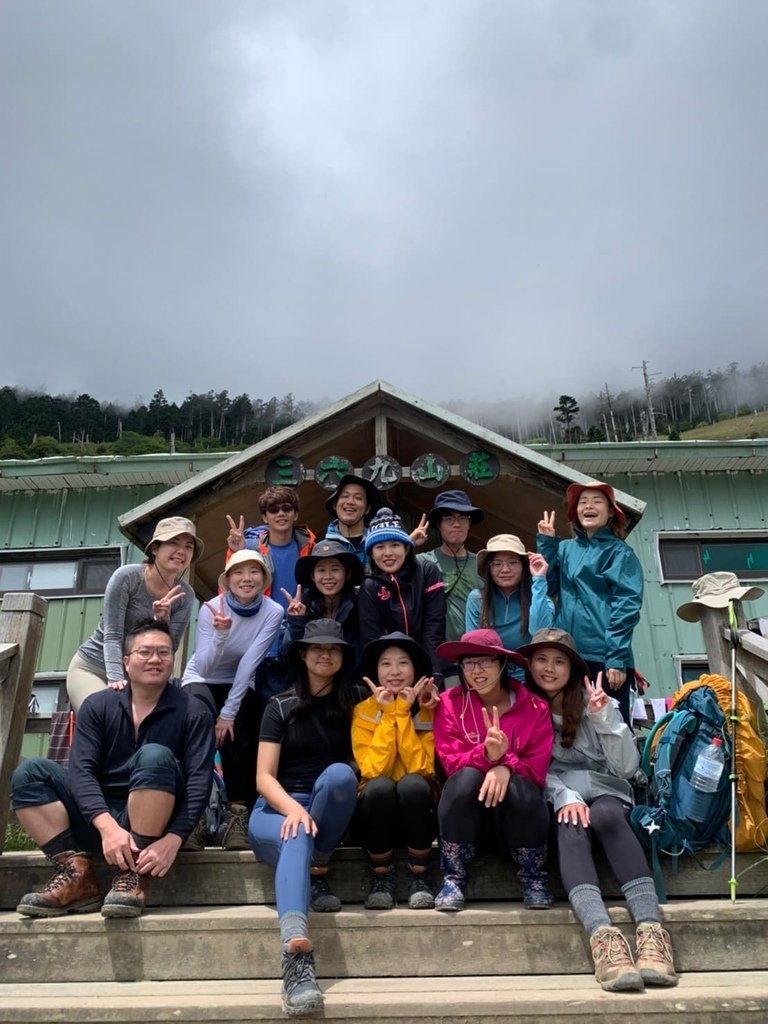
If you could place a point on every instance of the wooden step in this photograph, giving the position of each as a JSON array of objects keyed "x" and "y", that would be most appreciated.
[
  {"x": 217, "y": 877},
  {"x": 192, "y": 944},
  {"x": 705, "y": 998}
]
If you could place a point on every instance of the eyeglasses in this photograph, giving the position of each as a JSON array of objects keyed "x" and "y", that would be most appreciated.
[
  {"x": 454, "y": 517},
  {"x": 285, "y": 507},
  {"x": 145, "y": 653},
  {"x": 498, "y": 564},
  {"x": 473, "y": 664}
]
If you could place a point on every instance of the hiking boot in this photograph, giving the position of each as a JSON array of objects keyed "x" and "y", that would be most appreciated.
[
  {"x": 321, "y": 899},
  {"x": 614, "y": 967},
  {"x": 532, "y": 861},
  {"x": 382, "y": 894},
  {"x": 127, "y": 896},
  {"x": 654, "y": 955},
  {"x": 455, "y": 859},
  {"x": 196, "y": 840},
  {"x": 235, "y": 835},
  {"x": 300, "y": 992},
  {"x": 72, "y": 889},
  {"x": 420, "y": 894}
]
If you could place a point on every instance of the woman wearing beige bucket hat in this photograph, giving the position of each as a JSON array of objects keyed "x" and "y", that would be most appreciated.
[
  {"x": 513, "y": 599},
  {"x": 135, "y": 593},
  {"x": 598, "y": 582},
  {"x": 234, "y": 633}
]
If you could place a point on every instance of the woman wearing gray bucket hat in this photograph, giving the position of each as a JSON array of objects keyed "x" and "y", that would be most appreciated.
[
  {"x": 326, "y": 588},
  {"x": 593, "y": 758},
  {"x": 513, "y": 599},
  {"x": 395, "y": 752},
  {"x": 234, "y": 633},
  {"x": 307, "y": 795},
  {"x": 135, "y": 593}
]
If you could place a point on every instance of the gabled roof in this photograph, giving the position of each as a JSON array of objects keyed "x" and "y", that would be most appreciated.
[{"x": 377, "y": 419}]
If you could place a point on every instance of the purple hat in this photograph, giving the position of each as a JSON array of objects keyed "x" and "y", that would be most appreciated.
[{"x": 479, "y": 641}]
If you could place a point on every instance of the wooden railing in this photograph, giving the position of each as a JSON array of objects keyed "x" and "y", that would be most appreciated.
[
  {"x": 21, "y": 631},
  {"x": 751, "y": 655}
]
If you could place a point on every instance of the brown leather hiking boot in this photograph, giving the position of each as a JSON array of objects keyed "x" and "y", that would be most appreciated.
[
  {"x": 654, "y": 955},
  {"x": 614, "y": 967},
  {"x": 236, "y": 831},
  {"x": 127, "y": 896},
  {"x": 73, "y": 889}
]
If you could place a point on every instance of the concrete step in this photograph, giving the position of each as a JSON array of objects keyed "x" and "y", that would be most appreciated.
[
  {"x": 707, "y": 998},
  {"x": 242, "y": 942},
  {"x": 217, "y": 877}
]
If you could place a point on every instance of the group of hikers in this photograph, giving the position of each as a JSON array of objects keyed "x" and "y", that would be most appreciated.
[{"x": 356, "y": 688}]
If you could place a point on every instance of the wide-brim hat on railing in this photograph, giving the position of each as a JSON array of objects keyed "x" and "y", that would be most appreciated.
[{"x": 716, "y": 590}]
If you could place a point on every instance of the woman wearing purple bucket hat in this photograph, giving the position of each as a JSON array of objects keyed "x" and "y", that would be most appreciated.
[{"x": 493, "y": 739}]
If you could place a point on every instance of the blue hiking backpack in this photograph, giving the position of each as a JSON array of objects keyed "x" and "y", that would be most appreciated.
[{"x": 683, "y": 819}]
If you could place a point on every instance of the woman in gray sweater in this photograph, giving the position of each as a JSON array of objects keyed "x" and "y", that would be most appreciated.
[{"x": 153, "y": 589}]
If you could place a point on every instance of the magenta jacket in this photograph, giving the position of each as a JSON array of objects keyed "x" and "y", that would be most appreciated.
[{"x": 459, "y": 733}]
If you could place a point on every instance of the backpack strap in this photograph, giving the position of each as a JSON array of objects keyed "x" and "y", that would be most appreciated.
[{"x": 648, "y": 748}]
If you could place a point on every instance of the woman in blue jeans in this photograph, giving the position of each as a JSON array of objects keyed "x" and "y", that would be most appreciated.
[{"x": 307, "y": 795}]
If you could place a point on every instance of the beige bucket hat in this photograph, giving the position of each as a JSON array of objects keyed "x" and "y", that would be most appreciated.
[{"x": 716, "y": 590}]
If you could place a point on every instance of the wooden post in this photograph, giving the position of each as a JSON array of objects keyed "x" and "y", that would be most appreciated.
[{"x": 21, "y": 624}]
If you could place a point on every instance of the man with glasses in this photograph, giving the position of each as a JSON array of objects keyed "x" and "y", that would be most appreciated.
[
  {"x": 139, "y": 778},
  {"x": 452, "y": 516}
]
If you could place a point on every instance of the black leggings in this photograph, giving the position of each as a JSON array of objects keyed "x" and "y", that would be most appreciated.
[
  {"x": 609, "y": 826},
  {"x": 521, "y": 819},
  {"x": 238, "y": 756},
  {"x": 393, "y": 812}
]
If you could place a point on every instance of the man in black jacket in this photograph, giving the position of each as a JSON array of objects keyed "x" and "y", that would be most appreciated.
[{"x": 139, "y": 778}]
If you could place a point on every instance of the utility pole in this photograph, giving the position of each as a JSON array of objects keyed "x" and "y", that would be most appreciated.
[{"x": 649, "y": 396}]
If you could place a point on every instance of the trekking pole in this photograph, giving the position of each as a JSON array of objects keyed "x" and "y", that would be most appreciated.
[{"x": 733, "y": 718}]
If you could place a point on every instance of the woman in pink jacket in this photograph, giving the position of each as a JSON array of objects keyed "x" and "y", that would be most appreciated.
[{"x": 493, "y": 739}]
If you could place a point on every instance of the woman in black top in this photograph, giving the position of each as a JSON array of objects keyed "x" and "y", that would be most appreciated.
[{"x": 307, "y": 795}]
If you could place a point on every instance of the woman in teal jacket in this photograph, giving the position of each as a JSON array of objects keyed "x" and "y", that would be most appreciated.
[{"x": 598, "y": 582}]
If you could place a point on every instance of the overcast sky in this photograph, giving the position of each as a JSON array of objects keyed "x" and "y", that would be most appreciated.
[{"x": 467, "y": 198}]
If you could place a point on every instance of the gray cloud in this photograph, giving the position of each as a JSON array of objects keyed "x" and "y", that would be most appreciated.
[{"x": 492, "y": 199}]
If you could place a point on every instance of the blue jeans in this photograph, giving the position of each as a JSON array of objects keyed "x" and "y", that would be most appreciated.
[
  {"x": 38, "y": 781},
  {"x": 331, "y": 805}
]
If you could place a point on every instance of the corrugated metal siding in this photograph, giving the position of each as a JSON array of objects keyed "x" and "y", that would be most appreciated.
[
  {"x": 68, "y": 622},
  {"x": 719, "y": 501}
]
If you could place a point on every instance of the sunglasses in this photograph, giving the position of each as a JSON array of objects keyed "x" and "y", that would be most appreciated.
[{"x": 285, "y": 507}]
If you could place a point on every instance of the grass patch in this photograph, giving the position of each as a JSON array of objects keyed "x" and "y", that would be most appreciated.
[
  {"x": 739, "y": 428},
  {"x": 17, "y": 839}
]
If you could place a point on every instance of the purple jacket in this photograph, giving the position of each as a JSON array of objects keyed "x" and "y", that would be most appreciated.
[{"x": 460, "y": 733}]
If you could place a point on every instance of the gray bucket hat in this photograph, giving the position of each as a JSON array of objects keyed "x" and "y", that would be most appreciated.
[{"x": 321, "y": 631}]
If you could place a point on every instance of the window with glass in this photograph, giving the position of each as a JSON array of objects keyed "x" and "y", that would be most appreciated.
[
  {"x": 64, "y": 573},
  {"x": 686, "y": 557}
]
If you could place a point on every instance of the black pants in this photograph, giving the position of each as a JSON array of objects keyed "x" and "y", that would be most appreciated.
[
  {"x": 391, "y": 813},
  {"x": 238, "y": 756},
  {"x": 521, "y": 819},
  {"x": 609, "y": 826}
]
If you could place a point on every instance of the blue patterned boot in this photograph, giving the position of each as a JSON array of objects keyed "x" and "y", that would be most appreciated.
[
  {"x": 532, "y": 861},
  {"x": 455, "y": 859}
]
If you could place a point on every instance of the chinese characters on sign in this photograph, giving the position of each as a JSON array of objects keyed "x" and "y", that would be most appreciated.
[{"x": 428, "y": 470}]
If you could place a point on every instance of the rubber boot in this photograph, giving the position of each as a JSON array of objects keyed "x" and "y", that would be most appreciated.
[
  {"x": 455, "y": 859},
  {"x": 532, "y": 861}
]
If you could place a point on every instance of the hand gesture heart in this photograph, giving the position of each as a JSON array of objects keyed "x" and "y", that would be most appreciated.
[
  {"x": 428, "y": 695},
  {"x": 496, "y": 740},
  {"x": 236, "y": 535},
  {"x": 547, "y": 524},
  {"x": 598, "y": 698},
  {"x": 295, "y": 605},
  {"x": 381, "y": 693}
]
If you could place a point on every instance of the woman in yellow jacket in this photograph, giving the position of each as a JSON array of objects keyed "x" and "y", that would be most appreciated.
[{"x": 395, "y": 752}]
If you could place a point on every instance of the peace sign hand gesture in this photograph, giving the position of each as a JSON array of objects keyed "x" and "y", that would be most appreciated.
[
  {"x": 598, "y": 698},
  {"x": 236, "y": 535},
  {"x": 161, "y": 609},
  {"x": 222, "y": 621},
  {"x": 295, "y": 605},
  {"x": 496, "y": 740},
  {"x": 381, "y": 693},
  {"x": 420, "y": 533},
  {"x": 547, "y": 524}
]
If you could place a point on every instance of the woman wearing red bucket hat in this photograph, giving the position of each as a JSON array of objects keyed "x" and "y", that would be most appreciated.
[
  {"x": 493, "y": 739},
  {"x": 598, "y": 581}
]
